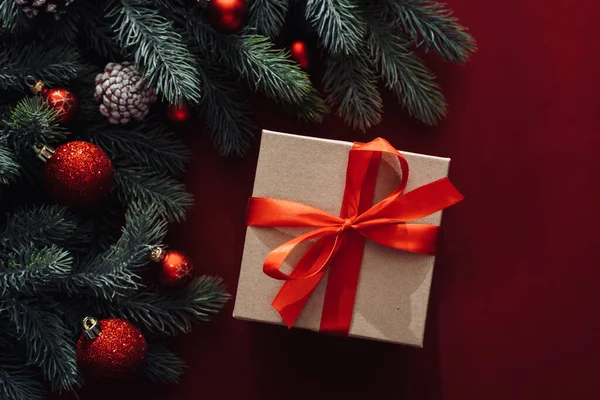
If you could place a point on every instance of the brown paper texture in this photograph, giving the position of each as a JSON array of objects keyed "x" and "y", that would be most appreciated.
[{"x": 393, "y": 290}]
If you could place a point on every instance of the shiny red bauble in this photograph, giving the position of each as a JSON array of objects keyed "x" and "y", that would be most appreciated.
[
  {"x": 115, "y": 349},
  {"x": 79, "y": 174},
  {"x": 179, "y": 113},
  {"x": 175, "y": 270},
  {"x": 300, "y": 53},
  {"x": 65, "y": 102},
  {"x": 227, "y": 16}
]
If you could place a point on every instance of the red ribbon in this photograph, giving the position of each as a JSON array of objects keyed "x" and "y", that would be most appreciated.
[{"x": 340, "y": 240}]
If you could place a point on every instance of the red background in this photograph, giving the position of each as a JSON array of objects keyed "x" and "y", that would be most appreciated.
[{"x": 514, "y": 310}]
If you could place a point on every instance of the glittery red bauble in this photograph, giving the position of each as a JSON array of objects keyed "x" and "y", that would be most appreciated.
[
  {"x": 118, "y": 351},
  {"x": 300, "y": 53},
  {"x": 62, "y": 100},
  {"x": 179, "y": 112},
  {"x": 227, "y": 16},
  {"x": 176, "y": 269},
  {"x": 79, "y": 174}
]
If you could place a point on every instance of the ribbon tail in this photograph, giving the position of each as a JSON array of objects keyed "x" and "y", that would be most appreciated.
[
  {"x": 294, "y": 294},
  {"x": 275, "y": 259}
]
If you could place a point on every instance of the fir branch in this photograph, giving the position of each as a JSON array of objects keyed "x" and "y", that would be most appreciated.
[
  {"x": 104, "y": 285},
  {"x": 146, "y": 144},
  {"x": 42, "y": 226},
  {"x": 34, "y": 270},
  {"x": 95, "y": 31},
  {"x": 9, "y": 11},
  {"x": 433, "y": 25},
  {"x": 158, "y": 50},
  {"x": 105, "y": 225},
  {"x": 55, "y": 65},
  {"x": 9, "y": 167},
  {"x": 338, "y": 23},
  {"x": 18, "y": 381},
  {"x": 171, "y": 5},
  {"x": 11, "y": 17},
  {"x": 64, "y": 32},
  {"x": 351, "y": 84},
  {"x": 46, "y": 340},
  {"x": 31, "y": 122},
  {"x": 162, "y": 365},
  {"x": 406, "y": 75},
  {"x": 225, "y": 113},
  {"x": 144, "y": 228},
  {"x": 169, "y": 313},
  {"x": 313, "y": 108},
  {"x": 148, "y": 187},
  {"x": 255, "y": 59},
  {"x": 268, "y": 16}
]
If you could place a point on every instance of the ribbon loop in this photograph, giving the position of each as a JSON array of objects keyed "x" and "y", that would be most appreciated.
[{"x": 340, "y": 240}]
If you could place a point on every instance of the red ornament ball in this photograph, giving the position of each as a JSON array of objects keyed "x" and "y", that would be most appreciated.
[
  {"x": 79, "y": 174},
  {"x": 300, "y": 53},
  {"x": 110, "y": 348},
  {"x": 64, "y": 101},
  {"x": 227, "y": 16},
  {"x": 179, "y": 113},
  {"x": 175, "y": 270}
]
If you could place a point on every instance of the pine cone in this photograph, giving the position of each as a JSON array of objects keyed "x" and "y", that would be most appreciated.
[
  {"x": 31, "y": 8},
  {"x": 123, "y": 92}
]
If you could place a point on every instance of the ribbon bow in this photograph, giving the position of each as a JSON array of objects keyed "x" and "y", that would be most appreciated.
[{"x": 341, "y": 240}]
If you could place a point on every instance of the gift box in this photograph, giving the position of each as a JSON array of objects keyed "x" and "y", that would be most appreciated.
[{"x": 299, "y": 189}]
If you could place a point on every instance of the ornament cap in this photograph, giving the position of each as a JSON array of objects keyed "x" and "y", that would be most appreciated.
[
  {"x": 157, "y": 254},
  {"x": 43, "y": 151},
  {"x": 38, "y": 87},
  {"x": 91, "y": 327}
]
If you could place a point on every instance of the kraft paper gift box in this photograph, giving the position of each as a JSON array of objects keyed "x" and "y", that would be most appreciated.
[{"x": 394, "y": 285}]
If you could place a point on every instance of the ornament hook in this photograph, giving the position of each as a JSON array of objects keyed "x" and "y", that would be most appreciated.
[
  {"x": 157, "y": 253},
  {"x": 43, "y": 151},
  {"x": 91, "y": 327},
  {"x": 37, "y": 87}
]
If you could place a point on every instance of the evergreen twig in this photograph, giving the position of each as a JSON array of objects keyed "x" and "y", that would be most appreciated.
[
  {"x": 268, "y": 16},
  {"x": 45, "y": 225},
  {"x": 406, "y": 75},
  {"x": 168, "y": 313},
  {"x": 47, "y": 342},
  {"x": 96, "y": 32},
  {"x": 147, "y": 144},
  {"x": 9, "y": 167},
  {"x": 162, "y": 365},
  {"x": 339, "y": 24},
  {"x": 134, "y": 183},
  {"x": 225, "y": 113},
  {"x": 33, "y": 271},
  {"x": 351, "y": 85},
  {"x": 433, "y": 26},
  {"x": 31, "y": 122},
  {"x": 143, "y": 229},
  {"x": 21, "y": 61},
  {"x": 157, "y": 49},
  {"x": 18, "y": 381},
  {"x": 11, "y": 17},
  {"x": 255, "y": 59}
]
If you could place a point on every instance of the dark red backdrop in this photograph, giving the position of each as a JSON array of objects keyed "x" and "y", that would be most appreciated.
[{"x": 514, "y": 311}]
